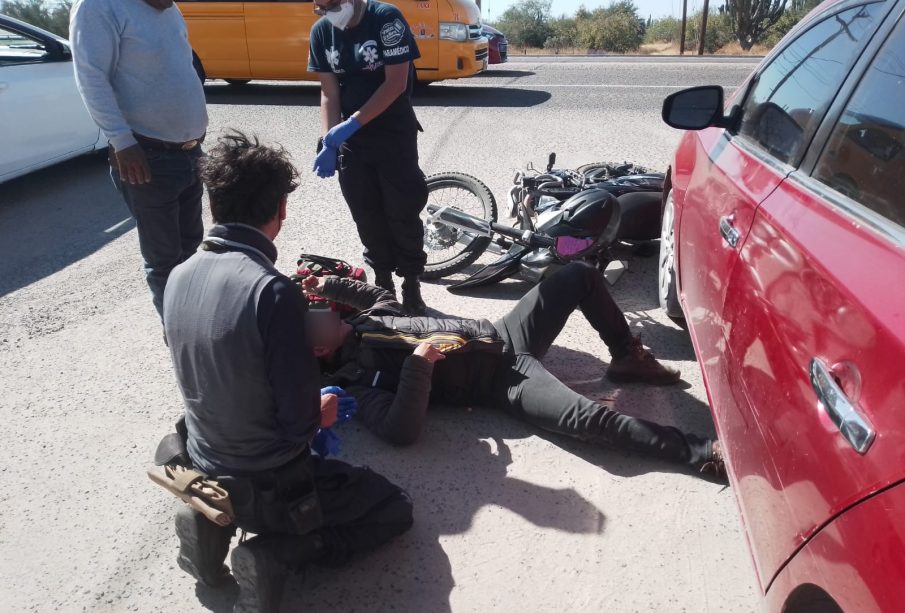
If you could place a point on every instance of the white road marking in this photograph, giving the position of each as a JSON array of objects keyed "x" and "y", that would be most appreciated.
[
  {"x": 519, "y": 85},
  {"x": 117, "y": 226}
]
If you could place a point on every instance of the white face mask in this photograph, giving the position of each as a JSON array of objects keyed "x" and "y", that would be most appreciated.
[{"x": 341, "y": 18}]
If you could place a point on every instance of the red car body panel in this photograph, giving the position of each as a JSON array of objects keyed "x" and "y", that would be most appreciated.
[
  {"x": 806, "y": 280},
  {"x": 859, "y": 558}
]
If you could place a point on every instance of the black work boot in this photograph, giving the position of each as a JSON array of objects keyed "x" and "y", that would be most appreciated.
[
  {"x": 384, "y": 279},
  {"x": 262, "y": 564},
  {"x": 203, "y": 546},
  {"x": 411, "y": 297},
  {"x": 640, "y": 365}
]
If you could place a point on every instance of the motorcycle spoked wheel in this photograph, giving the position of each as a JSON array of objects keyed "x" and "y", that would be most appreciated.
[{"x": 450, "y": 250}]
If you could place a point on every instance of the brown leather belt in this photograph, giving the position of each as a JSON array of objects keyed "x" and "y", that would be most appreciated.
[{"x": 162, "y": 145}]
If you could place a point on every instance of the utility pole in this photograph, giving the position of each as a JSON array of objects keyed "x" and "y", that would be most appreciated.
[
  {"x": 682, "y": 38},
  {"x": 704, "y": 27}
]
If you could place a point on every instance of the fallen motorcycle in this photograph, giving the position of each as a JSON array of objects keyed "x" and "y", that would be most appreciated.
[{"x": 559, "y": 215}]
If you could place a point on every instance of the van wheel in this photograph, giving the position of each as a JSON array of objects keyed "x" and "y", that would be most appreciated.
[
  {"x": 196, "y": 62},
  {"x": 668, "y": 289},
  {"x": 238, "y": 82}
]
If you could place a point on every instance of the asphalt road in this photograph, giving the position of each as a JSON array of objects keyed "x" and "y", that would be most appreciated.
[{"x": 507, "y": 518}]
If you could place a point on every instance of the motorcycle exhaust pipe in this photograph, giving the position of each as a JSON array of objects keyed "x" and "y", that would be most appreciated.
[{"x": 455, "y": 218}]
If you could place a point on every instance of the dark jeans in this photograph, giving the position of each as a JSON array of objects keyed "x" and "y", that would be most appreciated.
[
  {"x": 167, "y": 213},
  {"x": 386, "y": 192},
  {"x": 524, "y": 387},
  {"x": 361, "y": 510}
]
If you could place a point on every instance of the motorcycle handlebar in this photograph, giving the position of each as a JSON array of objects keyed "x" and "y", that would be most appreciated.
[{"x": 527, "y": 237}]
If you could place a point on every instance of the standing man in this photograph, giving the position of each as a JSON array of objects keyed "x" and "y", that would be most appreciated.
[
  {"x": 364, "y": 53},
  {"x": 250, "y": 384},
  {"x": 133, "y": 67}
]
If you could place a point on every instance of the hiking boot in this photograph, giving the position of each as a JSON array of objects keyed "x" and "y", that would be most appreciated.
[
  {"x": 261, "y": 576},
  {"x": 203, "y": 546},
  {"x": 412, "y": 302},
  {"x": 640, "y": 365},
  {"x": 715, "y": 467},
  {"x": 384, "y": 280}
]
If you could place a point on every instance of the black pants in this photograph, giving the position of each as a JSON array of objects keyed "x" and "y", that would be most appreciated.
[
  {"x": 525, "y": 388},
  {"x": 361, "y": 509},
  {"x": 386, "y": 192}
]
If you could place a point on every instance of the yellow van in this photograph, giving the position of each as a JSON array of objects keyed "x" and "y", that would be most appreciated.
[{"x": 240, "y": 41}]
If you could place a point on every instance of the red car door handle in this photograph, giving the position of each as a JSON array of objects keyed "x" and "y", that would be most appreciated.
[
  {"x": 730, "y": 234},
  {"x": 854, "y": 426}
]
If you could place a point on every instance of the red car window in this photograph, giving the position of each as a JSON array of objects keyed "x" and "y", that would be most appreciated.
[
  {"x": 793, "y": 92},
  {"x": 865, "y": 155}
]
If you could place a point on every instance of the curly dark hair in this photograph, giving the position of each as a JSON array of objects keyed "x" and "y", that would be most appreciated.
[{"x": 247, "y": 180}]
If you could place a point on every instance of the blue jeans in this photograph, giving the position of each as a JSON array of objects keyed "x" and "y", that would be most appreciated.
[{"x": 167, "y": 213}]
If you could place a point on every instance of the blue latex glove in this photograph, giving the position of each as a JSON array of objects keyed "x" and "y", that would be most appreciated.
[
  {"x": 348, "y": 406},
  {"x": 325, "y": 162},
  {"x": 326, "y": 443},
  {"x": 341, "y": 132}
]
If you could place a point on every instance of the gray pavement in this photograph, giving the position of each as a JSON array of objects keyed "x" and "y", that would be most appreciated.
[{"x": 507, "y": 518}]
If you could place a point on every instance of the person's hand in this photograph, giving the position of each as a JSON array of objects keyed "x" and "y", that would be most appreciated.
[
  {"x": 429, "y": 353},
  {"x": 311, "y": 284},
  {"x": 132, "y": 164},
  {"x": 341, "y": 132},
  {"x": 325, "y": 162},
  {"x": 329, "y": 406},
  {"x": 348, "y": 406}
]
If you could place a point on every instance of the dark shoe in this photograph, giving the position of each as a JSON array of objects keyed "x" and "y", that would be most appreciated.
[
  {"x": 640, "y": 365},
  {"x": 203, "y": 546},
  {"x": 261, "y": 576},
  {"x": 412, "y": 302},
  {"x": 715, "y": 466},
  {"x": 384, "y": 280}
]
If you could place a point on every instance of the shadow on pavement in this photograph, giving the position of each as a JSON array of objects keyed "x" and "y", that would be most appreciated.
[
  {"x": 294, "y": 94},
  {"x": 506, "y": 73},
  {"x": 54, "y": 217}
]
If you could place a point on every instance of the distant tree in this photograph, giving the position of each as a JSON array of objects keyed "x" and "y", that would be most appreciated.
[
  {"x": 750, "y": 19},
  {"x": 527, "y": 23},
  {"x": 53, "y": 18},
  {"x": 616, "y": 28}
]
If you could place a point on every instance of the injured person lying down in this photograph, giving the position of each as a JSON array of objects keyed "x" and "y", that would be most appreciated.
[{"x": 396, "y": 365}]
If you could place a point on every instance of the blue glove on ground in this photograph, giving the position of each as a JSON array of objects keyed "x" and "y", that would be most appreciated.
[
  {"x": 341, "y": 132},
  {"x": 325, "y": 162}
]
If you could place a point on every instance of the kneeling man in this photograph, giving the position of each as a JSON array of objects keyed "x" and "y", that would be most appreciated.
[{"x": 250, "y": 382}]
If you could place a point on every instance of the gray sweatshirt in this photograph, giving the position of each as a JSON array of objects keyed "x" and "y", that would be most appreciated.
[{"x": 133, "y": 67}]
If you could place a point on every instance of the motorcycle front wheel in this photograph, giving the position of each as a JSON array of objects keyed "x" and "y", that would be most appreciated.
[{"x": 450, "y": 250}]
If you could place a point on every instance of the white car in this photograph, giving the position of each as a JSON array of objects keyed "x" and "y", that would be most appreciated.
[{"x": 44, "y": 120}]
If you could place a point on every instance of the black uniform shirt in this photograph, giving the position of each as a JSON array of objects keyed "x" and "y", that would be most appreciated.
[{"x": 357, "y": 56}]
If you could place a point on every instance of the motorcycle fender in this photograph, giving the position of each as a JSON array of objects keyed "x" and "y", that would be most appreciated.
[{"x": 501, "y": 269}]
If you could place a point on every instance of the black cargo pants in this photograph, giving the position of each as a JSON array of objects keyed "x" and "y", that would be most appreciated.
[
  {"x": 385, "y": 190},
  {"x": 525, "y": 388},
  {"x": 360, "y": 509}
]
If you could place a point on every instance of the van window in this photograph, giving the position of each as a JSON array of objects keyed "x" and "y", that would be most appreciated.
[
  {"x": 791, "y": 95},
  {"x": 864, "y": 158}
]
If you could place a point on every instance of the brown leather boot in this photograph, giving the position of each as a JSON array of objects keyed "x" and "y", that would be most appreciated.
[{"x": 639, "y": 365}]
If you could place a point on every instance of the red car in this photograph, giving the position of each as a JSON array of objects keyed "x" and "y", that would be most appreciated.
[
  {"x": 783, "y": 249},
  {"x": 497, "y": 45}
]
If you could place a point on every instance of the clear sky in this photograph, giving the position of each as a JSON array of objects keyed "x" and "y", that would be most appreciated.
[{"x": 492, "y": 9}]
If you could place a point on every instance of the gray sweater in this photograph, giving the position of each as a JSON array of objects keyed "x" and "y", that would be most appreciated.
[{"x": 133, "y": 67}]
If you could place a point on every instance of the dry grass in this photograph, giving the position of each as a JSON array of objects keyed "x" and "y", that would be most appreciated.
[
  {"x": 659, "y": 49},
  {"x": 734, "y": 48}
]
